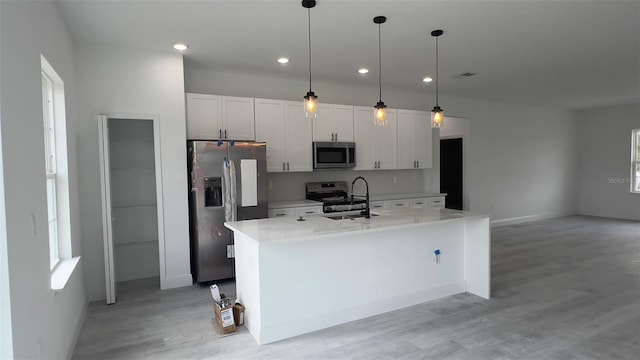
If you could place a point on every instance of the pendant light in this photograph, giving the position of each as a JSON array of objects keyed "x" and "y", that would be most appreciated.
[
  {"x": 437, "y": 114},
  {"x": 310, "y": 100},
  {"x": 380, "y": 115}
]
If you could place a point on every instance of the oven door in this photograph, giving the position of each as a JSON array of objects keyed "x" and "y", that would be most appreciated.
[{"x": 333, "y": 155}]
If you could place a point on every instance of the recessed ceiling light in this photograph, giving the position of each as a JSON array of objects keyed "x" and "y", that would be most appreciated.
[
  {"x": 283, "y": 60},
  {"x": 180, "y": 46},
  {"x": 363, "y": 71},
  {"x": 427, "y": 79}
]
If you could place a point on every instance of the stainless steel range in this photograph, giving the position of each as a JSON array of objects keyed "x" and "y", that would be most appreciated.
[{"x": 334, "y": 196}]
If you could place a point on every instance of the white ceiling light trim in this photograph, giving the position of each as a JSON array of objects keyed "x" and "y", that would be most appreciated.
[{"x": 180, "y": 46}]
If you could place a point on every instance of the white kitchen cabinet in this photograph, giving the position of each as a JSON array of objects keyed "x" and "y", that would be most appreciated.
[
  {"x": 377, "y": 205},
  {"x": 283, "y": 126},
  {"x": 270, "y": 129},
  {"x": 414, "y": 140},
  {"x": 273, "y": 213},
  {"x": 238, "y": 118},
  {"x": 204, "y": 116},
  {"x": 376, "y": 146},
  {"x": 418, "y": 203},
  {"x": 295, "y": 211},
  {"x": 309, "y": 210},
  {"x": 333, "y": 123},
  {"x": 394, "y": 204},
  {"x": 212, "y": 117},
  {"x": 436, "y": 202},
  {"x": 430, "y": 202},
  {"x": 298, "y": 138}
]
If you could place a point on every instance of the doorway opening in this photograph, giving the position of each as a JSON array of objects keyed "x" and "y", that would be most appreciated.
[
  {"x": 132, "y": 198},
  {"x": 451, "y": 172}
]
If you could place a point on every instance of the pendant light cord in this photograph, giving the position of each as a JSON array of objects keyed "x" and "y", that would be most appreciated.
[
  {"x": 309, "y": 22},
  {"x": 437, "y": 76},
  {"x": 379, "y": 63}
]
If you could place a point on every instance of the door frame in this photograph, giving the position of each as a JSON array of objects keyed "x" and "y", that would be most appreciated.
[{"x": 102, "y": 120}]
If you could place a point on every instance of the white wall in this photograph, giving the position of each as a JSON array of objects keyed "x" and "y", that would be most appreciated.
[
  {"x": 44, "y": 323},
  {"x": 120, "y": 80},
  {"x": 522, "y": 160},
  {"x": 605, "y": 148},
  {"x": 6, "y": 339}
]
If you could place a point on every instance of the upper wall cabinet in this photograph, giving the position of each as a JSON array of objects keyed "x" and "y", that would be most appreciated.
[
  {"x": 333, "y": 123},
  {"x": 415, "y": 140},
  {"x": 283, "y": 126},
  {"x": 212, "y": 117},
  {"x": 376, "y": 146}
]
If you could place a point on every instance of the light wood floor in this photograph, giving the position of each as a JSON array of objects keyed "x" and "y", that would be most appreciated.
[{"x": 566, "y": 288}]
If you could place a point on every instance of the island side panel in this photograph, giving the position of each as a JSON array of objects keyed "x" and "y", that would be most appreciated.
[
  {"x": 314, "y": 284},
  {"x": 477, "y": 272},
  {"x": 248, "y": 281}
]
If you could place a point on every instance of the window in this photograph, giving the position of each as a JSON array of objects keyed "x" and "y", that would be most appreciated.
[
  {"x": 56, "y": 172},
  {"x": 48, "y": 118},
  {"x": 635, "y": 161}
]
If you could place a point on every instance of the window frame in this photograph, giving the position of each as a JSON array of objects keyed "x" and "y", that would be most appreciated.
[
  {"x": 49, "y": 133},
  {"x": 635, "y": 162}
]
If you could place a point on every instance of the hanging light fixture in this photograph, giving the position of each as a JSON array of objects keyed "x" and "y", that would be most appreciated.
[
  {"x": 380, "y": 115},
  {"x": 437, "y": 114},
  {"x": 310, "y": 100}
]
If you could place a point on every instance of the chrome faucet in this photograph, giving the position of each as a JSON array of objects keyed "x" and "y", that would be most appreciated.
[{"x": 366, "y": 212}]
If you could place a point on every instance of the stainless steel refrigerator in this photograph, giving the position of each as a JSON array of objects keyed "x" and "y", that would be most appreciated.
[{"x": 217, "y": 193}]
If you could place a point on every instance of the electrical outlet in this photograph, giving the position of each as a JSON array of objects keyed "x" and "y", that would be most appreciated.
[{"x": 436, "y": 256}]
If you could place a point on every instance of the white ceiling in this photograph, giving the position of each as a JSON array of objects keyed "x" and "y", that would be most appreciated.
[{"x": 564, "y": 54}]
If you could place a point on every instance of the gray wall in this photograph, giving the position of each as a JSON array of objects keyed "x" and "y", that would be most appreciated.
[
  {"x": 522, "y": 159},
  {"x": 605, "y": 148},
  {"x": 44, "y": 323},
  {"x": 120, "y": 81}
]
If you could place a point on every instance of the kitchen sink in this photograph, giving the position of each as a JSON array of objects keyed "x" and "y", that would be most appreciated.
[{"x": 349, "y": 217}]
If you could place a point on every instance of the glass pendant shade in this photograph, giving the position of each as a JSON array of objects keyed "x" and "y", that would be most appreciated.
[
  {"x": 437, "y": 114},
  {"x": 310, "y": 100},
  {"x": 310, "y": 105},
  {"x": 380, "y": 114}
]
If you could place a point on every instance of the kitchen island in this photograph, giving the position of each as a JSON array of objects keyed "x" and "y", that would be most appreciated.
[{"x": 295, "y": 277}]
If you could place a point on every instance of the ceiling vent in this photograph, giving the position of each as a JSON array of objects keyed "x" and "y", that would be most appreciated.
[{"x": 463, "y": 75}]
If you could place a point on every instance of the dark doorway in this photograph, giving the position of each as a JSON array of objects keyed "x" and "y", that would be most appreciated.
[{"x": 451, "y": 172}]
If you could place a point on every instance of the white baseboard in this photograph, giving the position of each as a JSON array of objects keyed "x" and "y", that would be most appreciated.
[
  {"x": 176, "y": 281},
  {"x": 530, "y": 218}
]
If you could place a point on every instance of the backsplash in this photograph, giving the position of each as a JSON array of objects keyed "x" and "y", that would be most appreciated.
[{"x": 291, "y": 186}]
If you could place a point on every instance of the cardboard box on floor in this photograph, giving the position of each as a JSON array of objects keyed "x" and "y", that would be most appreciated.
[
  {"x": 238, "y": 314},
  {"x": 224, "y": 318}
]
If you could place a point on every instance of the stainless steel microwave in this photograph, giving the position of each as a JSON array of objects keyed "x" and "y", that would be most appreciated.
[{"x": 334, "y": 155}]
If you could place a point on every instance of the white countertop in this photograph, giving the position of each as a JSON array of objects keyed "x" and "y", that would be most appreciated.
[
  {"x": 293, "y": 203},
  {"x": 289, "y": 229},
  {"x": 385, "y": 197}
]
